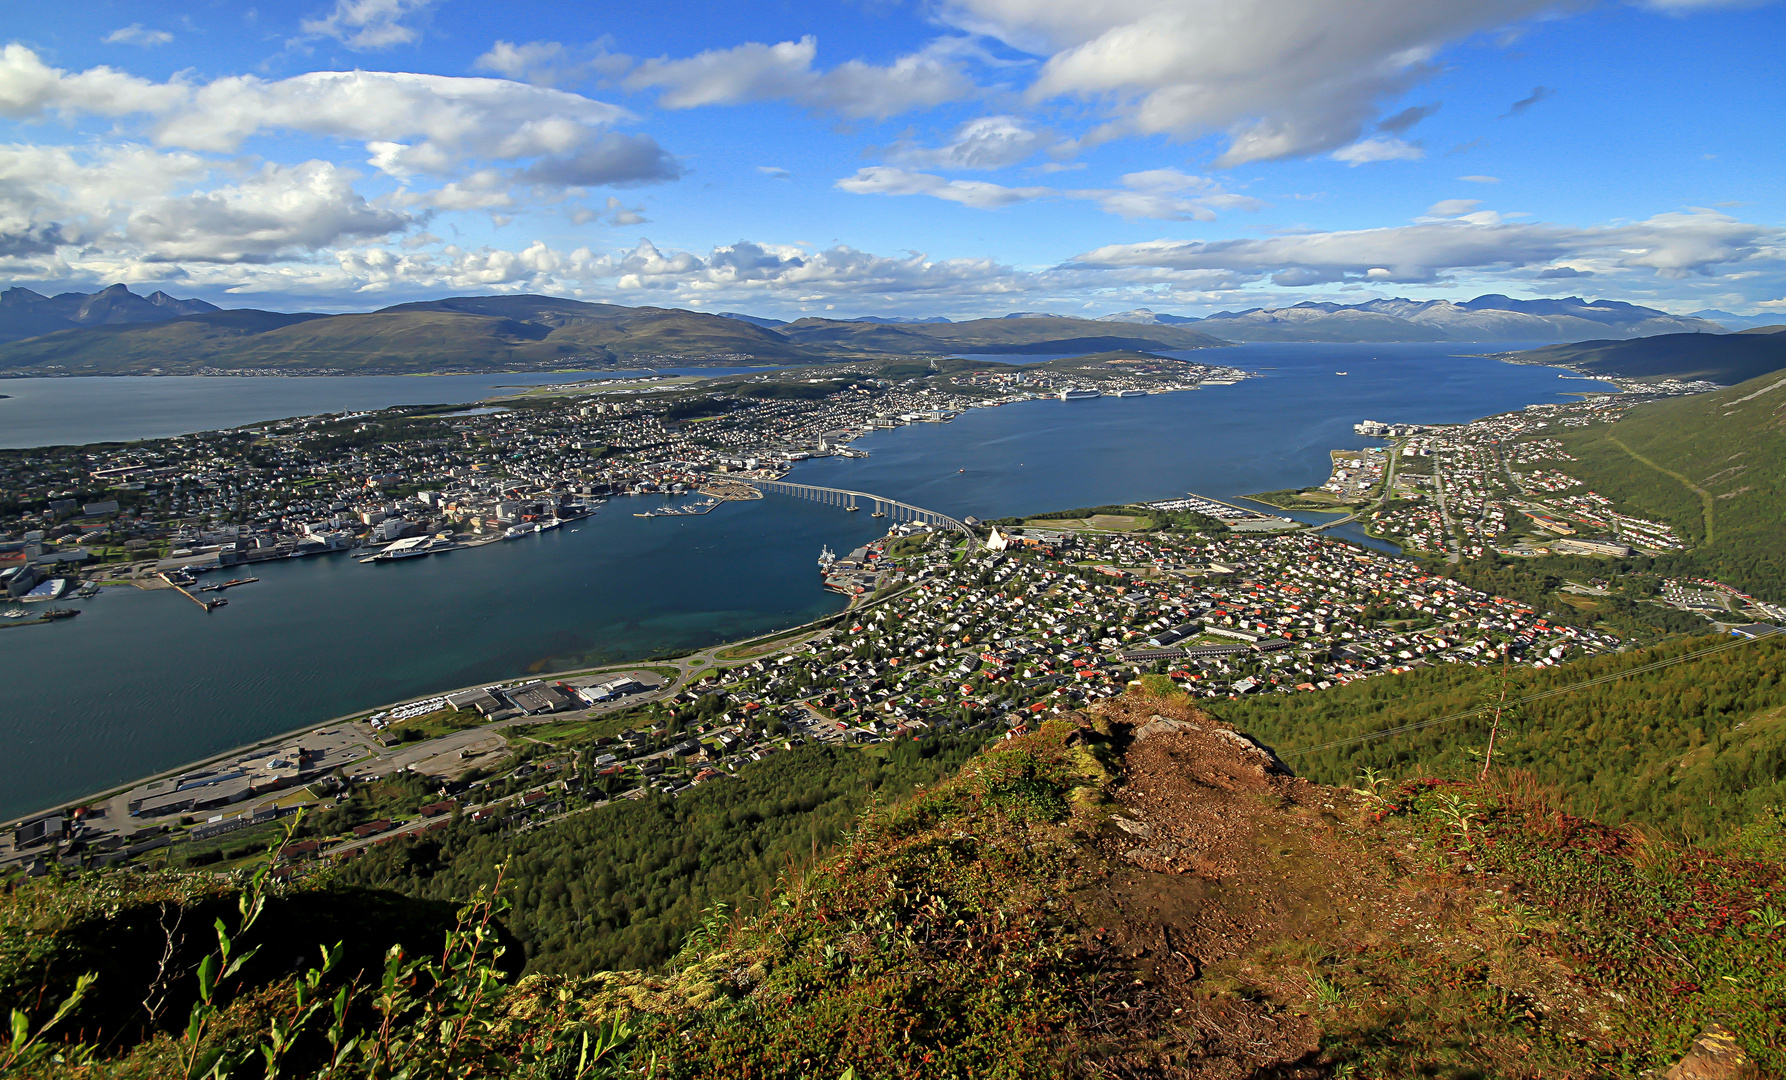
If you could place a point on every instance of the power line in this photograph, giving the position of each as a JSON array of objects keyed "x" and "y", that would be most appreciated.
[{"x": 1540, "y": 696}]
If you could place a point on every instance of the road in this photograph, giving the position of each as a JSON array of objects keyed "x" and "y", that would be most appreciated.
[
  {"x": 357, "y": 750},
  {"x": 1382, "y": 495},
  {"x": 1444, "y": 512}
]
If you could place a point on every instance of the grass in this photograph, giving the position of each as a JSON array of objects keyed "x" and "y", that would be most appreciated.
[
  {"x": 596, "y": 727},
  {"x": 1571, "y": 947},
  {"x": 1308, "y": 499},
  {"x": 437, "y": 723},
  {"x": 756, "y": 647},
  {"x": 921, "y": 950},
  {"x": 1097, "y": 522}
]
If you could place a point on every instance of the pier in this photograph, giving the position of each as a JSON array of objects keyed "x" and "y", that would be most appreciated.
[
  {"x": 206, "y": 604},
  {"x": 892, "y": 509}
]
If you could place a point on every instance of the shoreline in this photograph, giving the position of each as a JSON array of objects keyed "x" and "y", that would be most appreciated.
[
  {"x": 274, "y": 738},
  {"x": 264, "y": 741}
]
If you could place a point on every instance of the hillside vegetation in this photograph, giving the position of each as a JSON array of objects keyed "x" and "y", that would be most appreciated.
[
  {"x": 500, "y": 333},
  {"x": 1711, "y": 465},
  {"x": 1693, "y": 752},
  {"x": 1719, "y": 358},
  {"x": 1140, "y": 892},
  {"x": 623, "y": 887}
]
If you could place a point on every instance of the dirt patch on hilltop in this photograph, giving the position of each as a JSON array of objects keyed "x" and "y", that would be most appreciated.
[{"x": 1220, "y": 857}]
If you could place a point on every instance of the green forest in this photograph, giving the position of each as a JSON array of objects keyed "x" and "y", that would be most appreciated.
[
  {"x": 1537, "y": 581},
  {"x": 621, "y": 887},
  {"x": 1711, "y": 465},
  {"x": 1694, "y": 751}
]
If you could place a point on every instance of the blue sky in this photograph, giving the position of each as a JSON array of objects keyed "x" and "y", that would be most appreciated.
[{"x": 957, "y": 157}]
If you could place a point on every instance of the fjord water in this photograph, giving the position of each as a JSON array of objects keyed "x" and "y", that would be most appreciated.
[
  {"x": 145, "y": 681},
  {"x": 79, "y": 410}
]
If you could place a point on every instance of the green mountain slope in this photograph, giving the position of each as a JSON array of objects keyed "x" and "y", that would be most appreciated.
[
  {"x": 1693, "y": 752},
  {"x": 1713, "y": 466},
  {"x": 1138, "y": 892},
  {"x": 175, "y": 345},
  {"x": 1720, "y": 358},
  {"x": 500, "y": 333}
]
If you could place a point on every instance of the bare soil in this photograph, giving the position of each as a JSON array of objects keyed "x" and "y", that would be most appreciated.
[{"x": 1230, "y": 877}]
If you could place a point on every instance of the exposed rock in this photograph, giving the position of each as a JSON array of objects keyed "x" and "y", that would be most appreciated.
[
  {"x": 1159, "y": 725},
  {"x": 1714, "y": 1056},
  {"x": 1133, "y": 828}
]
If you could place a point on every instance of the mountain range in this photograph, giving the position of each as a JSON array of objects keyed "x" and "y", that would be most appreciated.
[
  {"x": 1486, "y": 318},
  {"x": 115, "y": 331},
  {"x": 24, "y": 313},
  {"x": 498, "y": 333}
]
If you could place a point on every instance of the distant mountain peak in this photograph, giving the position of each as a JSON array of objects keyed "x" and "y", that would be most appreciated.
[
  {"x": 1033, "y": 315},
  {"x": 27, "y": 314}
]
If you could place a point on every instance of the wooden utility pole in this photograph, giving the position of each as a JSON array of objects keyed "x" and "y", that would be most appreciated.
[{"x": 1488, "y": 759}]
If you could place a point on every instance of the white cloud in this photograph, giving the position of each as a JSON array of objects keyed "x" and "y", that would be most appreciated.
[
  {"x": 278, "y": 211},
  {"x": 618, "y": 213},
  {"x": 1622, "y": 261},
  {"x": 1378, "y": 148},
  {"x": 150, "y": 206},
  {"x": 784, "y": 72},
  {"x": 1674, "y": 245},
  {"x": 135, "y": 34},
  {"x": 30, "y": 88},
  {"x": 51, "y": 197},
  {"x": 552, "y": 63},
  {"x": 990, "y": 142},
  {"x": 608, "y": 160},
  {"x": 888, "y": 180},
  {"x": 1160, "y": 194},
  {"x": 1452, "y": 208},
  {"x": 1480, "y": 179},
  {"x": 368, "y": 24},
  {"x": 409, "y": 123},
  {"x": 1281, "y": 78}
]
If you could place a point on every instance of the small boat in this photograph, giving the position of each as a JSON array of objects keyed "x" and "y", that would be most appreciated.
[
  {"x": 960, "y": 470},
  {"x": 61, "y": 613},
  {"x": 1342, "y": 373}
]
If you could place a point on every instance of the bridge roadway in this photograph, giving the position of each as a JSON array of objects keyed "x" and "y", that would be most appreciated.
[{"x": 892, "y": 508}]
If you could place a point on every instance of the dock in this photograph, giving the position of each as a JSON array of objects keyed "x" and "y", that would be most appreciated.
[{"x": 206, "y": 604}]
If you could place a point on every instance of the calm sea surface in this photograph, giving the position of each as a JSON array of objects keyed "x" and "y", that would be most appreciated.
[
  {"x": 145, "y": 681},
  {"x": 73, "y": 411}
]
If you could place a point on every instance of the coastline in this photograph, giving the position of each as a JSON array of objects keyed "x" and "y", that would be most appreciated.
[
  {"x": 855, "y": 603},
  {"x": 250, "y": 745}
]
